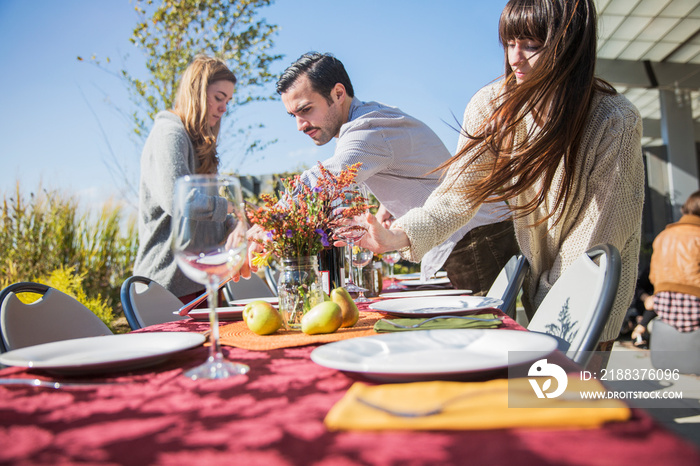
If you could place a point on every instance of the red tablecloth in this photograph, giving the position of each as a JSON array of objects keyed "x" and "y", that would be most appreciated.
[{"x": 274, "y": 416}]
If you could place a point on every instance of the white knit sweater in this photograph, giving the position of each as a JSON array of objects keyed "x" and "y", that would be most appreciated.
[{"x": 605, "y": 205}]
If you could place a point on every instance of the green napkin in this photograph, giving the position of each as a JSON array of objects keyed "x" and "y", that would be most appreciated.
[{"x": 488, "y": 321}]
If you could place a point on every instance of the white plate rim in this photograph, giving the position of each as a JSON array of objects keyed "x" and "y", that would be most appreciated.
[
  {"x": 222, "y": 312},
  {"x": 402, "y": 306},
  {"x": 328, "y": 355},
  {"x": 416, "y": 275},
  {"x": 423, "y": 293},
  {"x": 244, "y": 301},
  {"x": 177, "y": 341},
  {"x": 430, "y": 281}
]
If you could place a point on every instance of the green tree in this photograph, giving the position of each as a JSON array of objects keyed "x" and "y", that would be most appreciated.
[{"x": 170, "y": 33}]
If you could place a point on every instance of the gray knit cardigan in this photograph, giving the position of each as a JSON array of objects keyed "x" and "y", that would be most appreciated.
[{"x": 168, "y": 155}]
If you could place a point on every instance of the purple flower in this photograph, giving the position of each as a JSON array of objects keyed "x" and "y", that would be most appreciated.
[
  {"x": 317, "y": 190},
  {"x": 288, "y": 233},
  {"x": 324, "y": 237},
  {"x": 269, "y": 235}
]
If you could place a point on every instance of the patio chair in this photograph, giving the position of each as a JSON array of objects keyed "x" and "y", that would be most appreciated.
[
  {"x": 578, "y": 306},
  {"x": 671, "y": 349},
  {"x": 146, "y": 302},
  {"x": 509, "y": 282},
  {"x": 271, "y": 277},
  {"x": 55, "y": 316},
  {"x": 253, "y": 287}
]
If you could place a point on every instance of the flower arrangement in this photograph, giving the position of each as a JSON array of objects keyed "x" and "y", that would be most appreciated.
[{"x": 302, "y": 222}]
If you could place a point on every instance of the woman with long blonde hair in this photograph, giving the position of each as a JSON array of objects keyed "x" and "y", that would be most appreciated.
[
  {"x": 182, "y": 142},
  {"x": 555, "y": 142}
]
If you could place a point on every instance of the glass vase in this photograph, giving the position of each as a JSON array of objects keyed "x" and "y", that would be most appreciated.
[{"x": 299, "y": 287}]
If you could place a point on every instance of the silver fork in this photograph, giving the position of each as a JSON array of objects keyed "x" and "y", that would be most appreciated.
[
  {"x": 50, "y": 384},
  {"x": 429, "y": 412},
  {"x": 441, "y": 406},
  {"x": 440, "y": 317}
]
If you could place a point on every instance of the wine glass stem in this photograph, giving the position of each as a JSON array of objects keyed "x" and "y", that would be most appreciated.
[
  {"x": 351, "y": 245},
  {"x": 393, "y": 278},
  {"x": 214, "y": 348}
]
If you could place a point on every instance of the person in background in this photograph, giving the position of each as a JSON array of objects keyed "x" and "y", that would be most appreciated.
[
  {"x": 182, "y": 142},
  {"x": 560, "y": 145},
  {"x": 400, "y": 157},
  {"x": 639, "y": 311},
  {"x": 675, "y": 273}
]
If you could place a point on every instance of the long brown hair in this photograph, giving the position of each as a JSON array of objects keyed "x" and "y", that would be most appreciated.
[
  {"x": 560, "y": 87},
  {"x": 191, "y": 107}
]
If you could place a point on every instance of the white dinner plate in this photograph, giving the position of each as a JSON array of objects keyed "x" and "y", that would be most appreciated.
[
  {"x": 430, "y": 281},
  {"x": 430, "y": 306},
  {"x": 103, "y": 354},
  {"x": 416, "y": 275},
  {"x": 243, "y": 302},
  {"x": 433, "y": 354},
  {"x": 224, "y": 313},
  {"x": 422, "y": 293}
]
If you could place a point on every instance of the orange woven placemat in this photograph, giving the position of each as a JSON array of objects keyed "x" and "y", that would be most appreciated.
[{"x": 238, "y": 334}]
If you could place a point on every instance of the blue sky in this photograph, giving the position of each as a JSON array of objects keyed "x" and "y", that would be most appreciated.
[{"x": 58, "y": 125}]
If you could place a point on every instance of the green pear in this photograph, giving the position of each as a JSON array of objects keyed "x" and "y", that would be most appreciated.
[
  {"x": 261, "y": 317},
  {"x": 326, "y": 297},
  {"x": 325, "y": 317},
  {"x": 342, "y": 298}
]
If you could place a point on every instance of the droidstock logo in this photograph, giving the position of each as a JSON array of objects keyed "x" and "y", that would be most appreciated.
[{"x": 541, "y": 369}]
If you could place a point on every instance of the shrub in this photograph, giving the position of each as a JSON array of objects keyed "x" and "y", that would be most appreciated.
[
  {"x": 47, "y": 236},
  {"x": 65, "y": 279}
]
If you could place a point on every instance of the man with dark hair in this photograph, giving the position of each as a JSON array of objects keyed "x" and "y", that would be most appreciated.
[{"x": 399, "y": 155}]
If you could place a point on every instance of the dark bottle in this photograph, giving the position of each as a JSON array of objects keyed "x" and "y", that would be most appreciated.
[{"x": 331, "y": 265}]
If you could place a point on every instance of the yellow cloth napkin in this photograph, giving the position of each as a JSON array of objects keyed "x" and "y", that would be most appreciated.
[{"x": 472, "y": 405}]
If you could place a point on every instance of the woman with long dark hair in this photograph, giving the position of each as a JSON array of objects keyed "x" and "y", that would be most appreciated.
[{"x": 555, "y": 142}]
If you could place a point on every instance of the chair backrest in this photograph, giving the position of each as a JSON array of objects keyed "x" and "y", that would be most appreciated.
[
  {"x": 578, "y": 306},
  {"x": 671, "y": 349},
  {"x": 271, "y": 277},
  {"x": 509, "y": 282},
  {"x": 245, "y": 288},
  {"x": 55, "y": 316},
  {"x": 146, "y": 302}
]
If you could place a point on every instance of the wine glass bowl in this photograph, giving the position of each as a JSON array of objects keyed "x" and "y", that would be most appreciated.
[
  {"x": 207, "y": 250},
  {"x": 390, "y": 258},
  {"x": 198, "y": 267},
  {"x": 351, "y": 233},
  {"x": 361, "y": 257},
  {"x": 352, "y": 226}
]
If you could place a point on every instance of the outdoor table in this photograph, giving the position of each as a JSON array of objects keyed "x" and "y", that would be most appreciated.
[{"x": 274, "y": 416}]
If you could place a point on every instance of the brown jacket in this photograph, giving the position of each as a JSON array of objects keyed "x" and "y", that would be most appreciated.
[{"x": 675, "y": 262}]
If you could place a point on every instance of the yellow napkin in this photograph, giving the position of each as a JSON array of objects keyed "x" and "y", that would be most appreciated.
[{"x": 473, "y": 405}]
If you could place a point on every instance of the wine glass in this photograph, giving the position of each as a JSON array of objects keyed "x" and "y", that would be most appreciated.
[
  {"x": 209, "y": 251},
  {"x": 361, "y": 257},
  {"x": 352, "y": 226},
  {"x": 390, "y": 258}
]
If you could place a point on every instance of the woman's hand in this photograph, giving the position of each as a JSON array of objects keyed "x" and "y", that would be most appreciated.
[
  {"x": 254, "y": 232},
  {"x": 236, "y": 237},
  {"x": 379, "y": 239},
  {"x": 384, "y": 216},
  {"x": 649, "y": 303}
]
